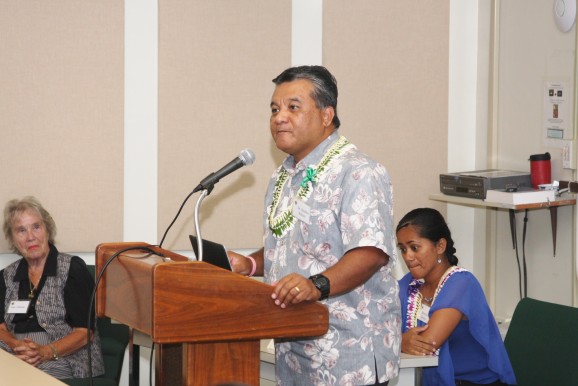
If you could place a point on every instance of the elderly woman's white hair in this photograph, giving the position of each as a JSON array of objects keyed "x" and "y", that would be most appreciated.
[{"x": 16, "y": 207}]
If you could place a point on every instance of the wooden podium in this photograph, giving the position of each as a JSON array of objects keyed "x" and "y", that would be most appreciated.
[{"x": 206, "y": 322}]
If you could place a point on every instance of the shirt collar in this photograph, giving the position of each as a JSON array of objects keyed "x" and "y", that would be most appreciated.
[{"x": 49, "y": 267}]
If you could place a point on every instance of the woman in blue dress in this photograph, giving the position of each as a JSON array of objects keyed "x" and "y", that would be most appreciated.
[{"x": 444, "y": 309}]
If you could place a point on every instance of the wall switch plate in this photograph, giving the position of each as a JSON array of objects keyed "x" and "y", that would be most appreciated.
[{"x": 568, "y": 158}]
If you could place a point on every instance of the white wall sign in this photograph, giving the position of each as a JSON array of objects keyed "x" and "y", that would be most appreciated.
[{"x": 555, "y": 110}]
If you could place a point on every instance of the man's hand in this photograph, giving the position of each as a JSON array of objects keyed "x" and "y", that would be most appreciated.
[
  {"x": 239, "y": 263},
  {"x": 293, "y": 289}
]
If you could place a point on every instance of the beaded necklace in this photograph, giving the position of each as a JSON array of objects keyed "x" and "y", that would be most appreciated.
[
  {"x": 284, "y": 221},
  {"x": 415, "y": 297}
]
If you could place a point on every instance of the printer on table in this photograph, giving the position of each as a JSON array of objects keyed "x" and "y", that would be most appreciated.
[{"x": 474, "y": 184}]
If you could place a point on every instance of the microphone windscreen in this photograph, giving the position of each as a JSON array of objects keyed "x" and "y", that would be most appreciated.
[{"x": 247, "y": 157}]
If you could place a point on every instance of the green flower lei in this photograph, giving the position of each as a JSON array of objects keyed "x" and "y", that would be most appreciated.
[{"x": 285, "y": 221}]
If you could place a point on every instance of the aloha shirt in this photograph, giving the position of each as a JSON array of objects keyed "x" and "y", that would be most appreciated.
[{"x": 351, "y": 205}]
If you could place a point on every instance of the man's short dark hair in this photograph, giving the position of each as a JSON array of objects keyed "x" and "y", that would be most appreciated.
[{"x": 324, "y": 85}]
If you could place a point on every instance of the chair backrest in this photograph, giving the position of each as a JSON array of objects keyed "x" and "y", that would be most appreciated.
[
  {"x": 542, "y": 343},
  {"x": 114, "y": 338}
]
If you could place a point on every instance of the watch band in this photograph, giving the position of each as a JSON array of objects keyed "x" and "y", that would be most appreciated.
[
  {"x": 55, "y": 356},
  {"x": 322, "y": 284}
]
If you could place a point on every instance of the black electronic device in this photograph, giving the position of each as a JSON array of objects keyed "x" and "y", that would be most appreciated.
[
  {"x": 213, "y": 253},
  {"x": 474, "y": 184}
]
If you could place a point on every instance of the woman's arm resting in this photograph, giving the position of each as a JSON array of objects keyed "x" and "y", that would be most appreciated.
[
  {"x": 35, "y": 354},
  {"x": 412, "y": 342},
  {"x": 7, "y": 337},
  {"x": 442, "y": 324},
  {"x": 425, "y": 341}
]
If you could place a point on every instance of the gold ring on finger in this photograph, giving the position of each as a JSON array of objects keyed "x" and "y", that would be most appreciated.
[{"x": 297, "y": 289}]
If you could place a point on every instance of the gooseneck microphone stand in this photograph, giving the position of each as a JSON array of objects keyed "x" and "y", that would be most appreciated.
[{"x": 202, "y": 196}]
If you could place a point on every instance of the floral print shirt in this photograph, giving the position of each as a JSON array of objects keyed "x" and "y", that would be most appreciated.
[{"x": 350, "y": 205}]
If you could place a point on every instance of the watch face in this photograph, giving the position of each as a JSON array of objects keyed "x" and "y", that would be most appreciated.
[
  {"x": 321, "y": 280},
  {"x": 322, "y": 284}
]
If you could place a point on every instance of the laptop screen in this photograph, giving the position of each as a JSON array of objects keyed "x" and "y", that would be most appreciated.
[{"x": 213, "y": 253}]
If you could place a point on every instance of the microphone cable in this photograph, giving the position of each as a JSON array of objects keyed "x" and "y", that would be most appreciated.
[{"x": 177, "y": 215}]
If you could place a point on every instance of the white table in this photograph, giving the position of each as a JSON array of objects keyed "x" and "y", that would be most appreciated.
[
  {"x": 409, "y": 369},
  {"x": 17, "y": 372}
]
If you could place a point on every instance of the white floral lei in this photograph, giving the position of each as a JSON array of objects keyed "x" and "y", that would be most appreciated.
[
  {"x": 415, "y": 297},
  {"x": 284, "y": 222}
]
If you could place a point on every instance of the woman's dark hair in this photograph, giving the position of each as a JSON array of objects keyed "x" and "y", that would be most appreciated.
[
  {"x": 324, "y": 85},
  {"x": 430, "y": 224}
]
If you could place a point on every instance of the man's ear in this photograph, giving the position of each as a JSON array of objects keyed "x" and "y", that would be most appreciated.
[{"x": 327, "y": 114}]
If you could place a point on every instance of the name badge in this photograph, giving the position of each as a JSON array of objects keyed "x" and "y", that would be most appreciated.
[
  {"x": 424, "y": 313},
  {"x": 18, "y": 306},
  {"x": 302, "y": 211}
]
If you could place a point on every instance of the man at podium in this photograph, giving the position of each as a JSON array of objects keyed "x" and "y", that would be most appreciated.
[{"x": 329, "y": 237}]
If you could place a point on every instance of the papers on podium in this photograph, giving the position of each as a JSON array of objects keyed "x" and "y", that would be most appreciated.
[{"x": 522, "y": 196}]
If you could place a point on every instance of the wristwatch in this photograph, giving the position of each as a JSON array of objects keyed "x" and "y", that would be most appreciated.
[
  {"x": 322, "y": 284},
  {"x": 55, "y": 356}
]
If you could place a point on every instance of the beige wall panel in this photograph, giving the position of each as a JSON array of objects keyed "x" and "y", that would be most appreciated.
[
  {"x": 532, "y": 50},
  {"x": 61, "y": 114},
  {"x": 391, "y": 63},
  {"x": 216, "y": 62}
]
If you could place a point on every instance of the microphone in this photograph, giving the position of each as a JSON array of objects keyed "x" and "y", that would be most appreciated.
[{"x": 246, "y": 157}]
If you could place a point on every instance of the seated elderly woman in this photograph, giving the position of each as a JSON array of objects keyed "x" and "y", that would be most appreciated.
[{"x": 47, "y": 327}]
